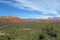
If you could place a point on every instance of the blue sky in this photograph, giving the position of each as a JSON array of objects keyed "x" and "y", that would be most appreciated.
[{"x": 30, "y": 8}]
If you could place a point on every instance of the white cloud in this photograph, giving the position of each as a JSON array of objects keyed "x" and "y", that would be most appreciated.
[
  {"x": 38, "y": 16},
  {"x": 46, "y": 6}
]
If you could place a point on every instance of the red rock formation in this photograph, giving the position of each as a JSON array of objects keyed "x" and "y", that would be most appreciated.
[
  {"x": 16, "y": 19},
  {"x": 48, "y": 20},
  {"x": 12, "y": 19},
  {"x": 45, "y": 20},
  {"x": 9, "y": 19},
  {"x": 40, "y": 20}
]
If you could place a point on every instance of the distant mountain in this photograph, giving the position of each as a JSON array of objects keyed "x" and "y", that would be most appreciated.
[
  {"x": 9, "y": 19},
  {"x": 56, "y": 19},
  {"x": 17, "y": 19},
  {"x": 32, "y": 19},
  {"x": 12, "y": 19},
  {"x": 49, "y": 19}
]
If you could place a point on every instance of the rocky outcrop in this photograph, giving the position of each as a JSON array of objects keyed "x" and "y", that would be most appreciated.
[
  {"x": 12, "y": 19},
  {"x": 9, "y": 19},
  {"x": 17, "y": 19},
  {"x": 48, "y": 20}
]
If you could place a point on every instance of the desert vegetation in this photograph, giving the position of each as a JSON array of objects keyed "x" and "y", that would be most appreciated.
[{"x": 29, "y": 31}]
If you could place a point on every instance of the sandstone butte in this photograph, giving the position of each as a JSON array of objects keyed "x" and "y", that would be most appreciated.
[
  {"x": 45, "y": 20},
  {"x": 11, "y": 19},
  {"x": 17, "y": 19},
  {"x": 48, "y": 20}
]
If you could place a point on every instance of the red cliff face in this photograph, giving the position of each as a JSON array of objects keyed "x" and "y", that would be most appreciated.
[
  {"x": 12, "y": 19},
  {"x": 48, "y": 20},
  {"x": 9, "y": 19},
  {"x": 45, "y": 20},
  {"x": 16, "y": 19},
  {"x": 24, "y": 20}
]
